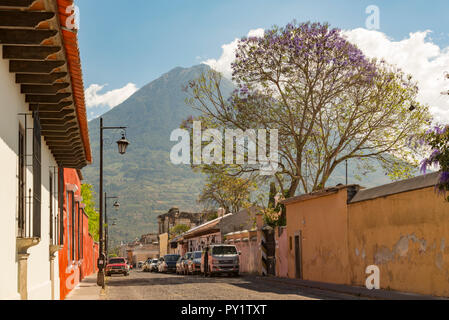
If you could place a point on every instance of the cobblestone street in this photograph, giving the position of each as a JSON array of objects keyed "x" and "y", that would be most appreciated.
[{"x": 155, "y": 286}]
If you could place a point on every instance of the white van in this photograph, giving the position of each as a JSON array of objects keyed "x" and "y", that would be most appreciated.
[{"x": 220, "y": 259}]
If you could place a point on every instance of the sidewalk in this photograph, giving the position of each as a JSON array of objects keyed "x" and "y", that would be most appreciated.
[
  {"x": 356, "y": 291},
  {"x": 87, "y": 290}
]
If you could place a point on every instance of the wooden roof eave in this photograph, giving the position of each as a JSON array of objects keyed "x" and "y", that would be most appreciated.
[{"x": 32, "y": 40}]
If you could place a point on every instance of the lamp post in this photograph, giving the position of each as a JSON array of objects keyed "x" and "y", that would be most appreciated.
[
  {"x": 106, "y": 229},
  {"x": 346, "y": 162},
  {"x": 122, "y": 145}
]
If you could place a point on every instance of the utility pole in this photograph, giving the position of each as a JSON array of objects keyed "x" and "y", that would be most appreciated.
[{"x": 346, "y": 172}]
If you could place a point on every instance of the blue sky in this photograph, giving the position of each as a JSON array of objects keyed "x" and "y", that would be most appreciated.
[{"x": 136, "y": 41}]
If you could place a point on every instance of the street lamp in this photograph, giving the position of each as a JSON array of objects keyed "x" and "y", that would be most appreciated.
[{"x": 122, "y": 146}]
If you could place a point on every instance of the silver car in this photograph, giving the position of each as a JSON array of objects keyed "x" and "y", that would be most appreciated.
[{"x": 154, "y": 265}]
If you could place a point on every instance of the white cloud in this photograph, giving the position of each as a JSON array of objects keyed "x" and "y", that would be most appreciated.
[
  {"x": 223, "y": 64},
  {"x": 416, "y": 55},
  {"x": 95, "y": 98}
]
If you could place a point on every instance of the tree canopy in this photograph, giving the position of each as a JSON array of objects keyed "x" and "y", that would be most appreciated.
[
  {"x": 437, "y": 139},
  {"x": 94, "y": 217},
  {"x": 327, "y": 100},
  {"x": 225, "y": 191}
]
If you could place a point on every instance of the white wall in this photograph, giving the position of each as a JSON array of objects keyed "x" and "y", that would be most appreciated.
[
  {"x": 12, "y": 102},
  {"x": 39, "y": 285}
]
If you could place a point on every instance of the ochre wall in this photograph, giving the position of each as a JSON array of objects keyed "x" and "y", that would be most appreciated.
[
  {"x": 163, "y": 244},
  {"x": 407, "y": 236},
  {"x": 323, "y": 223}
]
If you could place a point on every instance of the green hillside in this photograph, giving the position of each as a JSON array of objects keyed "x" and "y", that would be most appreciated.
[{"x": 146, "y": 181}]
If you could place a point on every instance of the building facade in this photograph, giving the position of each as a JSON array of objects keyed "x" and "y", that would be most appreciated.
[
  {"x": 170, "y": 219},
  {"x": 43, "y": 128},
  {"x": 214, "y": 231},
  {"x": 401, "y": 228},
  {"x": 147, "y": 247},
  {"x": 79, "y": 251}
]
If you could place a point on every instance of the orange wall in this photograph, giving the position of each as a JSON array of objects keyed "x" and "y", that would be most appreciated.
[
  {"x": 407, "y": 236},
  {"x": 71, "y": 272},
  {"x": 323, "y": 223}
]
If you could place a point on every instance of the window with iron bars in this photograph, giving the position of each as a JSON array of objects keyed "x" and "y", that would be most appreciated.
[
  {"x": 21, "y": 226},
  {"x": 29, "y": 223},
  {"x": 54, "y": 213}
]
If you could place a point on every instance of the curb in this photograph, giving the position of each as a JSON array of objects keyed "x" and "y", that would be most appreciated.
[{"x": 354, "y": 291}]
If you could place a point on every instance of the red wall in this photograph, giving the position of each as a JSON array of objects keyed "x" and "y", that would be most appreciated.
[{"x": 71, "y": 272}]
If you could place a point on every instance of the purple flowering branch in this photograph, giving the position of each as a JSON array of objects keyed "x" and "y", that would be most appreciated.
[{"x": 438, "y": 140}]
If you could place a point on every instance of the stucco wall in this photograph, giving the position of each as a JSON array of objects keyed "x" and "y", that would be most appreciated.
[
  {"x": 281, "y": 252},
  {"x": 71, "y": 272},
  {"x": 163, "y": 244},
  {"x": 39, "y": 284},
  {"x": 407, "y": 236},
  {"x": 323, "y": 224},
  {"x": 246, "y": 244},
  {"x": 12, "y": 103},
  {"x": 198, "y": 243}
]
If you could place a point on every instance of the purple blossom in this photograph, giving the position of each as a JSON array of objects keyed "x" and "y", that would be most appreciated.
[
  {"x": 444, "y": 177},
  {"x": 424, "y": 164},
  {"x": 244, "y": 90},
  {"x": 434, "y": 155}
]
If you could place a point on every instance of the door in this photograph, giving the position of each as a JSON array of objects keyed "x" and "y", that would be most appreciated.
[{"x": 298, "y": 256}]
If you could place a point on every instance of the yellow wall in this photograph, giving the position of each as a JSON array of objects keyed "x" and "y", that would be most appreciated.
[
  {"x": 323, "y": 223},
  {"x": 407, "y": 236},
  {"x": 163, "y": 244}
]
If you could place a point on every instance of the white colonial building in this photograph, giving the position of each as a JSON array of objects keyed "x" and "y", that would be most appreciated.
[{"x": 43, "y": 127}]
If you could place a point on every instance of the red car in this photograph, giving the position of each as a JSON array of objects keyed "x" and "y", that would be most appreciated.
[{"x": 117, "y": 266}]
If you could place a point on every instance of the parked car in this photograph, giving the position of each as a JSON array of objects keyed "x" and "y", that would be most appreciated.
[
  {"x": 159, "y": 262},
  {"x": 130, "y": 265},
  {"x": 146, "y": 266},
  {"x": 179, "y": 265},
  {"x": 168, "y": 263},
  {"x": 154, "y": 265},
  {"x": 117, "y": 266},
  {"x": 220, "y": 259},
  {"x": 140, "y": 264},
  {"x": 185, "y": 263},
  {"x": 194, "y": 265}
]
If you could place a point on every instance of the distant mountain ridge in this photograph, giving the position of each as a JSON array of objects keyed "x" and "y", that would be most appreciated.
[{"x": 147, "y": 183}]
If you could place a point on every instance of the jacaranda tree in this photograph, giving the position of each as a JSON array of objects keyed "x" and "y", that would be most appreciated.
[
  {"x": 329, "y": 102},
  {"x": 438, "y": 140}
]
